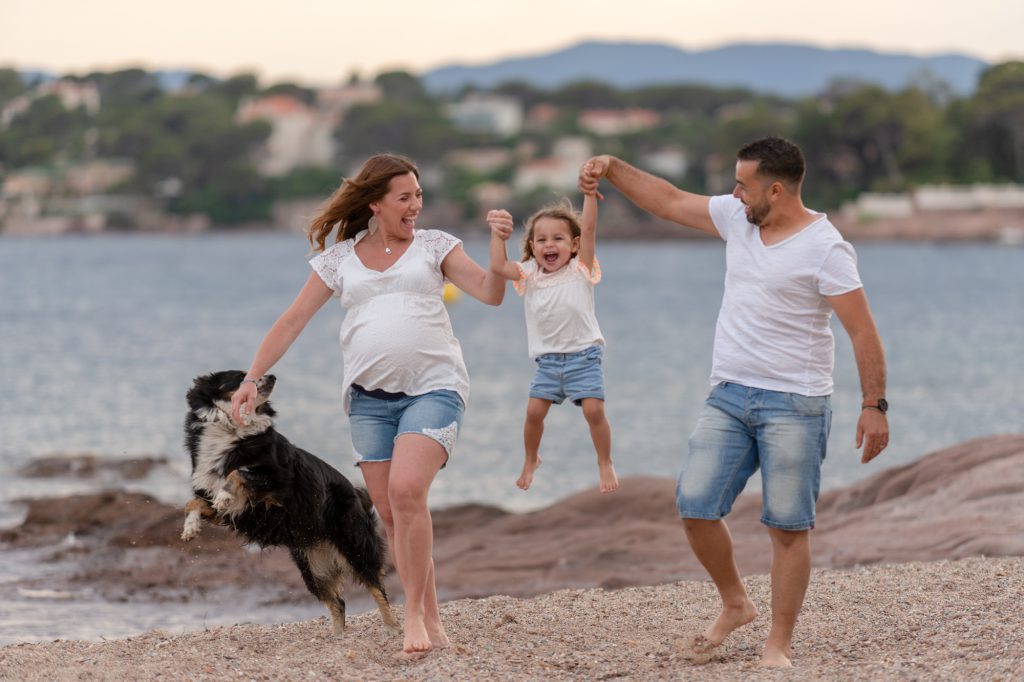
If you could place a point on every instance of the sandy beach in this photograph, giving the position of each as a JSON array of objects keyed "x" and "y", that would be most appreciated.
[
  {"x": 931, "y": 620},
  {"x": 918, "y": 575}
]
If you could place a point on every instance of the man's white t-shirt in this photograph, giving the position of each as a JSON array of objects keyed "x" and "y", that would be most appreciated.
[{"x": 773, "y": 328}]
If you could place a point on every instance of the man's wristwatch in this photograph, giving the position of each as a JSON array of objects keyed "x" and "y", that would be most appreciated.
[{"x": 882, "y": 405}]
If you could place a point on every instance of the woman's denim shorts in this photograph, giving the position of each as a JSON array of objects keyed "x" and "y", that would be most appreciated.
[
  {"x": 742, "y": 429},
  {"x": 377, "y": 422},
  {"x": 569, "y": 375}
]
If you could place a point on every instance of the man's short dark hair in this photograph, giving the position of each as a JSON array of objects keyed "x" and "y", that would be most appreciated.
[{"x": 777, "y": 158}]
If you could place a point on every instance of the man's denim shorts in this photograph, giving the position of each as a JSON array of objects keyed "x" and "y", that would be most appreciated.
[
  {"x": 742, "y": 429},
  {"x": 569, "y": 375},
  {"x": 377, "y": 422}
]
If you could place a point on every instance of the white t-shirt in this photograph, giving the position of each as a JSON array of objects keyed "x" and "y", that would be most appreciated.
[
  {"x": 773, "y": 328},
  {"x": 396, "y": 335},
  {"x": 559, "y": 307}
]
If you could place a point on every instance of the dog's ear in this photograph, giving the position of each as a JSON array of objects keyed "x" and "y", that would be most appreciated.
[
  {"x": 209, "y": 388},
  {"x": 228, "y": 381},
  {"x": 199, "y": 394}
]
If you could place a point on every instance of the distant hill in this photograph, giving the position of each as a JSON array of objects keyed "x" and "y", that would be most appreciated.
[{"x": 782, "y": 69}]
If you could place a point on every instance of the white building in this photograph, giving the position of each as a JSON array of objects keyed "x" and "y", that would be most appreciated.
[
  {"x": 300, "y": 135},
  {"x": 560, "y": 171},
  {"x": 618, "y": 121},
  {"x": 670, "y": 162},
  {"x": 487, "y": 113},
  {"x": 71, "y": 94}
]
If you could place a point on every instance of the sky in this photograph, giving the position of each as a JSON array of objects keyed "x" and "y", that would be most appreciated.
[{"x": 319, "y": 42}]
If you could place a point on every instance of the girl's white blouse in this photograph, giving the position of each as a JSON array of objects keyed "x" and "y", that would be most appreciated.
[
  {"x": 559, "y": 307},
  {"x": 396, "y": 335}
]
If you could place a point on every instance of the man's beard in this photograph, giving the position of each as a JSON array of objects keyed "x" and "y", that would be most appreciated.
[{"x": 757, "y": 214}]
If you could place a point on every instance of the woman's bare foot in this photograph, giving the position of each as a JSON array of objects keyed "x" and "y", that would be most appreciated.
[
  {"x": 774, "y": 657},
  {"x": 435, "y": 631},
  {"x": 439, "y": 639},
  {"x": 609, "y": 481},
  {"x": 526, "y": 478},
  {"x": 417, "y": 643},
  {"x": 729, "y": 619}
]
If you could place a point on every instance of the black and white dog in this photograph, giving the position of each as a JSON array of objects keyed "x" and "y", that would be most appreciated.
[{"x": 253, "y": 480}]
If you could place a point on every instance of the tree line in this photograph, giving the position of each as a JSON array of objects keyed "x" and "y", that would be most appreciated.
[{"x": 857, "y": 137}]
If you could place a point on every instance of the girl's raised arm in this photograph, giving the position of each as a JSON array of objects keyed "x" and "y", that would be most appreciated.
[{"x": 588, "y": 231}]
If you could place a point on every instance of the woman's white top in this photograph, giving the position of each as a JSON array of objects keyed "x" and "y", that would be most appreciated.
[
  {"x": 559, "y": 307},
  {"x": 396, "y": 335}
]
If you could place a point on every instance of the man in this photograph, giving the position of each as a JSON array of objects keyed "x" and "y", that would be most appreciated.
[{"x": 787, "y": 269}]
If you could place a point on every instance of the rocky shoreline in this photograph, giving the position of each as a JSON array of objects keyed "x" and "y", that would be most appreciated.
[
  {"x": 932, "y": 620},
  {"x": 621, "y": 557}
]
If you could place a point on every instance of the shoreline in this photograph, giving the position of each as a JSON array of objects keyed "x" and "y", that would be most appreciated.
[
  {"x": 122, "y": 548},
  {"x": 929, "y": 620}
]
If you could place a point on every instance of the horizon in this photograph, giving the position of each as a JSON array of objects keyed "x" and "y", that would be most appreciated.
[
  {"x": 315, "y": 46},
  {"x": 264, "y": 79}
]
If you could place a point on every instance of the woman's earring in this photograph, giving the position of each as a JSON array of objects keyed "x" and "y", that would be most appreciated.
[{"x": 371, "y": 224}]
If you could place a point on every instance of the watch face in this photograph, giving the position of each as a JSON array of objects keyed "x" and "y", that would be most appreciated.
[{"x": 883, "y": 405}]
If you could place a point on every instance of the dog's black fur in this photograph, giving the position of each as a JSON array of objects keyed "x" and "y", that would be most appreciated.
[{"x": 252, "y": 479}]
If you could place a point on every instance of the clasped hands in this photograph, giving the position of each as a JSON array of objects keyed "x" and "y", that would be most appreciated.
[{"x": 501, "y": 223}]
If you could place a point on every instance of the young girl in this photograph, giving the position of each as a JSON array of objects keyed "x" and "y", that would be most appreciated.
[{"x": 557, "y": 276}]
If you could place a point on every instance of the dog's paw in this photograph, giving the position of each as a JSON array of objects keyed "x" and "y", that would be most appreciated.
[
  {"x": 191, "y": 529},
  {"x": 222, "y": 502}
]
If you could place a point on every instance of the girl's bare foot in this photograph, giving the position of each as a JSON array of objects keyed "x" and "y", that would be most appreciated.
[
  {"x": 609, "y": 481},
  {"x": 526, "y": 478}
]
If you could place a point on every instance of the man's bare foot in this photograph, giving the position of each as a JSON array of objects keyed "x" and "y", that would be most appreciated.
[
  {"x": 609, "y": 481},
  {"x": 526, "y": 478},
  {"x": 729, "y": 619},
  {"x": 696, "y": 649},
  {"x": 774, "y": 657}
]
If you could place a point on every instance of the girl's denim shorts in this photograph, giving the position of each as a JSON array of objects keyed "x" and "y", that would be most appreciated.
[
  {"x": 569, "y": 375},
  {"x": 377, "y": 422}
]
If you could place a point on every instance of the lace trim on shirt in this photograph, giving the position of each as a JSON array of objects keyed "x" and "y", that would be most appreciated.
[
  {"x": 573, "y": 269},
  {"x": 328, "y": 263},
  {"x": 437, "y": 243}
]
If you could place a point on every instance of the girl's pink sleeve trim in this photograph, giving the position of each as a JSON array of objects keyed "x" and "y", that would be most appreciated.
[
  {"x": 520, "y": 284},
  {"x": 593, "y": 276}
]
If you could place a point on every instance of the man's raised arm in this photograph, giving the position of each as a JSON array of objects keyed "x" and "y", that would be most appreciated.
[{"x": 651, "y": 193}]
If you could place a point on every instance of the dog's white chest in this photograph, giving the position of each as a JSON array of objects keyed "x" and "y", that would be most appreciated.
[{"x": 217, "y": 438}]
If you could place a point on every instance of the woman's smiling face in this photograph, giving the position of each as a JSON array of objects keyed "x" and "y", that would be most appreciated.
[{"x": 398, "y": 209}]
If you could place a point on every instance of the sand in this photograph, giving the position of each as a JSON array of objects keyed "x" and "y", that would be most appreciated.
[
  {"x": 930, "y": 620},
  {"x": 892, "y": 595}
]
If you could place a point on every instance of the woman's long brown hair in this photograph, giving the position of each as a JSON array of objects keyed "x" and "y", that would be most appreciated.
[{"x": 348, "y": 209}]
